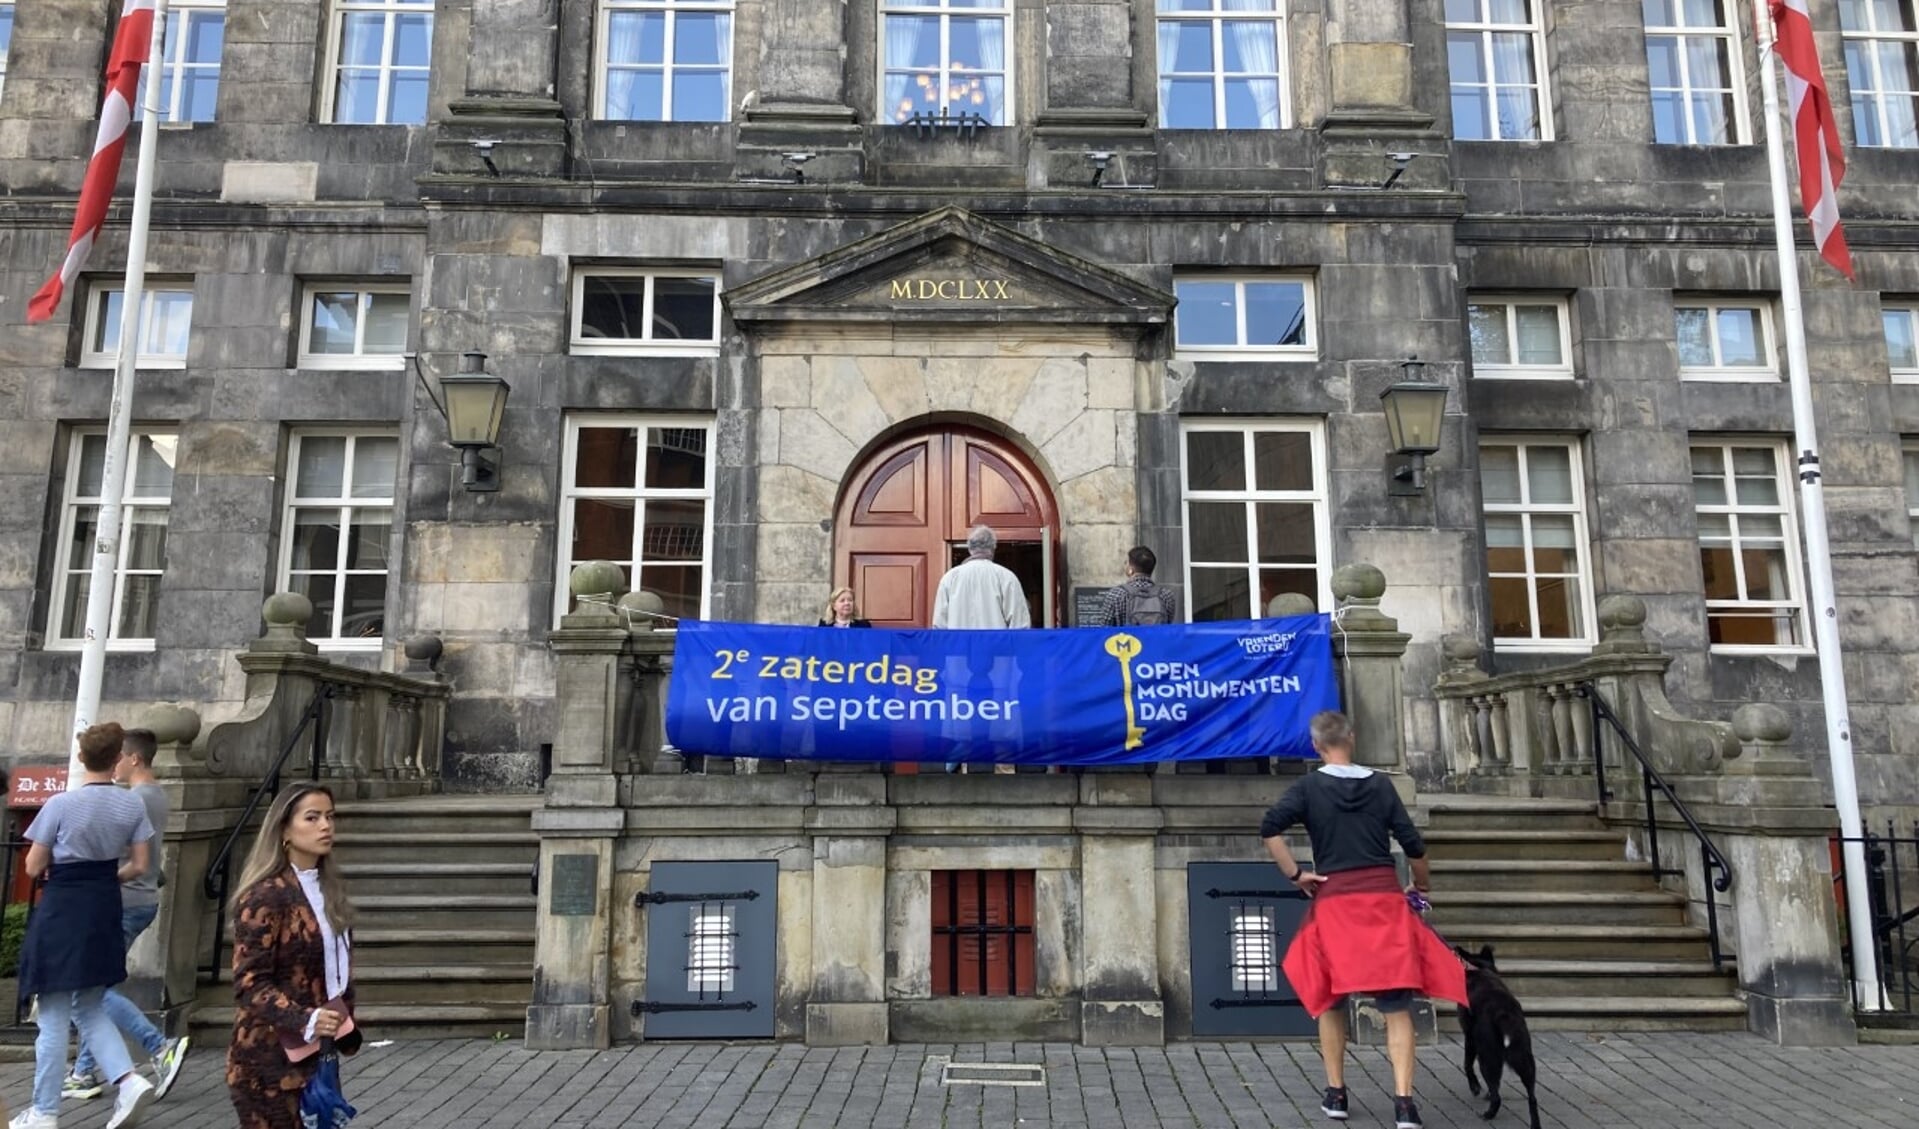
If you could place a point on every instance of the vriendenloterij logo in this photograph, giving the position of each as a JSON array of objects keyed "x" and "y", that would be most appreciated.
[
  {"x": 1126, "y": 648},
  {"x": 1271, "y": 643}
]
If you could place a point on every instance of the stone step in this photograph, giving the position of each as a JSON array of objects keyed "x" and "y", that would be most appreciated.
[
  {"x": 1494, "y": 813},
  {"x": 213, "y": 1026},
  {"x": 1515, "y": 942},
  {"x": 420, "y": 946},
  {"x": 438, "y": 814},
  {"x": 1464, "y": 843},
  {"x": 1461, "y": 910},
  {"x": 1532, "y": 979},
  {"x": 438, "y": 846},
  {"x": 446, "y": 911},
  {"x": 376, "y": 983},
  {"x": 1590, "y": 875},
  {"x": 407, "y": 877},
  {"x": 1622, "y": 1013}
]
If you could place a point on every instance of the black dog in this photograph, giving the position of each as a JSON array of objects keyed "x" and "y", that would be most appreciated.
[{"x": 1495, "y": 1030}]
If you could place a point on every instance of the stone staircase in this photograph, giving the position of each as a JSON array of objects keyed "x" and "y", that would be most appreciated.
[
  {"x": 444, "y": 942},
  {"x": 1587, "y": 939}
]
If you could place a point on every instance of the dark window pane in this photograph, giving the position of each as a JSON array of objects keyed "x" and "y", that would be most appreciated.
[
  {"x": 1282, "y": 460},
  {"x": 602, "y": 529},
  {"x": 676, "y": 458},
  {"x": 1220, "y": 593},
  {"x": 678, "y": 587},
  {"x": 372, "y": 532},
  {"x": 613, "y": 306},
  {"x": 1215, "y": 460},
  {"x": 1512, "y": 610},
  {"x": 675, "y": 530},
  {"x": 683, "y": 309},
  {"x": 1286, "y": 533},
  {"x": 316, "y": 539},
  {"x": 1217, "y": 531},
  {"x": 139, "y": 607},
  {"x": 607, "y": 456},
  {"x": 364, "y": 616}
]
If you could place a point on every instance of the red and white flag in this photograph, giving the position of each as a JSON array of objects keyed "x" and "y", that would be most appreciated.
[
  {"x": 1815, "y": 133},
  {"x": 130, "y": 44}
]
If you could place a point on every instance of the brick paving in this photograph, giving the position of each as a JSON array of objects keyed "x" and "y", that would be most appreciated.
[{"x": 1588, "y": 1081}]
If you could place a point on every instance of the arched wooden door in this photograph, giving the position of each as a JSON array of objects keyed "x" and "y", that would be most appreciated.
[{"x": 906, "y": 510}]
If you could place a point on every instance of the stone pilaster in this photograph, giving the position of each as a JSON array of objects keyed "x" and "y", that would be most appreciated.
[
  {"x": 802, "y": 105},
  {"x": 1121, "y": 1005},
  {"x": 849, "y": 823},
  {"x": 1368, "y": 648},
  {"x": 1372, "y": 108},
  {"x": 510, "y": 124}
]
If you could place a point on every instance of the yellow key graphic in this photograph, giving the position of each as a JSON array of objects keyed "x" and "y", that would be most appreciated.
[{"x": 1126, "y": 648}]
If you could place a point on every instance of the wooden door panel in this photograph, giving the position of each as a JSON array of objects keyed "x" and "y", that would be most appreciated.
[
  {"x": 897, "y": 494},
  {"x": 891, "y": 588},
  {"x": 991, "y": 489}
]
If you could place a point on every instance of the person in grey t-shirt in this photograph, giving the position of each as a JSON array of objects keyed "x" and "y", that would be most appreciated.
[{"x": 139, "y": 905}]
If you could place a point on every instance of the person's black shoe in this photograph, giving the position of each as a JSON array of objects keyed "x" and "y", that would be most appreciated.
[
  {"x": 1406, "y": 1114},
  {"x": 1333, "y": 1105}
]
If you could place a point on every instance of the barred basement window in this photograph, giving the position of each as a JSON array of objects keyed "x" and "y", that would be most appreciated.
[
  {"x": 711, "y": 949},
  {"x": 1255, "y": 954},
  {"x": 983, "y": 933}
]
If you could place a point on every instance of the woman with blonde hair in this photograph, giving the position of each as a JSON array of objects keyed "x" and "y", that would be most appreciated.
[
  {"x": 292, "y": 959},
  {"x": 842, "y": 611}
]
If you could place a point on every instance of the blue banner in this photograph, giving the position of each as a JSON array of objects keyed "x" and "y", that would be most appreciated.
[{"x": 1072, "y": 696}]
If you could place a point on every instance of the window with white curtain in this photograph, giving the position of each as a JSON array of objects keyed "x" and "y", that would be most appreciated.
[
  {"x": 1254, "y": 493},
  {"x": 946, "y": 56},
  {"x": 1692, "y": 56},
  {"x": 1902, "y": 341},
  {"x": 6, "y": 39},
  {"x": 1495, "y": 51},
  {"x": 1538, "y": 575},
  {"x": 166, "y": 323},
  {"x": 145, "y": 504},
  {"x": 1748, "y": 545},
  {"x": 665, "y": 60},
  {"x": 1519, "y": 336},
  {"x": 1724, "y": 340},
  {"x": 1221, "y": 65},
  {"x": 1882, "y": 68},
  {"x": 382, "y": 50},
  {"x": 338, "y": 532},
  {"x": 1911, "y": 455},
  {"x": 190, "y": 75}
]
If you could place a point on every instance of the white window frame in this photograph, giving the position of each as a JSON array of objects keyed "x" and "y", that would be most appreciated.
[
  {"x": 175, "y": 68},
  {"x": 946, "y": 10},
  {"x": 640, "y": 492},
  {"x": 603, "y": 66},
  {"x": 1909, "y": 464},
  {"x": 1512, "y": 369},
  {"x": 1727, "y": 32},
  {"x": 359, "y": 359},
  {"x": 6, "y": 48},
  {"x": 643, "y": 346},
  {"x": 345, "y": 505},
  {"x": 1317, "y": 497},
  {"x": 1877, "y": 95},
  {"x": 1795, "y": 571},
  {"x": 1217, "y": 17},
  {"x": 1309, "y": 312},
  {"x": 97, "y": 293},
  {"x": 70, "y": 504},
  {"x": 1902, "y": 374},
  {"x": 1720, "y": 372},
  {"x": 336, "y": 27},
  {"x": 1535, "y": 31},
  {"x": 1526, "y": 510}
]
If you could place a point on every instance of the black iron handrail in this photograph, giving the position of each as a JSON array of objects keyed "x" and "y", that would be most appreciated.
[
  {"x": 1895, "y": 940},
  {"x": 1649, "y": 781},
  {"x": 219, "y": 873}
]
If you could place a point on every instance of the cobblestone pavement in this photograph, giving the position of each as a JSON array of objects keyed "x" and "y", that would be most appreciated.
[{"x": 1588, "y": 1081}]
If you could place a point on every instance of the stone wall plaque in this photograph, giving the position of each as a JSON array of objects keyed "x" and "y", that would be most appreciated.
[
  {"x": 1086, "y": 603},
  {"x": 574, "y": 886}
]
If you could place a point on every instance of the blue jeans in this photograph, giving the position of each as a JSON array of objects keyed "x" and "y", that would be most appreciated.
[
  {"x": 120, "y": 1010},
  {"x": 58, "y": 1011}
]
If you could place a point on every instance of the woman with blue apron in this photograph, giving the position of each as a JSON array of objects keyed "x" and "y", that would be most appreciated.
[{"x": 74, "y": 950}]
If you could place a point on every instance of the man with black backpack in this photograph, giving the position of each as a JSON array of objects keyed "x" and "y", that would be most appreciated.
[{"x": 1137, "y": 601}]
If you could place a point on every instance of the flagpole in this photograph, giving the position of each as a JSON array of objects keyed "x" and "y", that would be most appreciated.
[
  {"x": 113, "y": 469},
  {"x": 1812, "y": 497}
]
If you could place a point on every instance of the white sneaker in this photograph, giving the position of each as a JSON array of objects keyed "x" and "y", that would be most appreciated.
[
  {"x": 166, "y": 1065},
  {"x": 34, "y": 1119},
  {"x": 136, "y": 1094}
]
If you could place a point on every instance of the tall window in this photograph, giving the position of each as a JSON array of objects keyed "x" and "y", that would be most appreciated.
[
  {"x": 639, "y": 492},
  {"x": 1724, "y": 340},
  {"x": 1692, "y": 52},
  {"x": 166, "y": 321},
  {"x": 1902, "y": 341},
  {"x": 1256, "y": 519},
  {"x": 946, "y": 56},
  {"x": 1747, "y": 545},
  {"x": 666, "y": 60},
  {"x": 143, "y": 537},
  {"x": 190, "y": 75},
  {"x": 1536, "y": 564},
  {"x": 339, "y": 526},
  {"x": 1495, "y": 51},
  {"x": 355, "y": 325},
  {"x": 983, "y": 943},
  {"x": 1220, "y": 65},
  {"x": 6, "y": 39},
  {"x": 1518, "y": 336},
  {"x": 1266, "y": 316},
  {"x": 381, "y": 53},
  {"x": 1882, "y": 67},
  {"x": 639, "y": 311},
  {"x": 1911, "y": 455}
]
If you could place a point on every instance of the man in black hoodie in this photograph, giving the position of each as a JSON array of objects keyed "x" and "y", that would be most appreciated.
[{"x": 1360, "y": 934}]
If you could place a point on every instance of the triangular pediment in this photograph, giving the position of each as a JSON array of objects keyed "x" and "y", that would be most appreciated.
[{"x": 949, "y": 266}]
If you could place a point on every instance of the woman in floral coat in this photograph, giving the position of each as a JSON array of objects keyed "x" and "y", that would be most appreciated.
[{"x": 292, "y": 960}]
